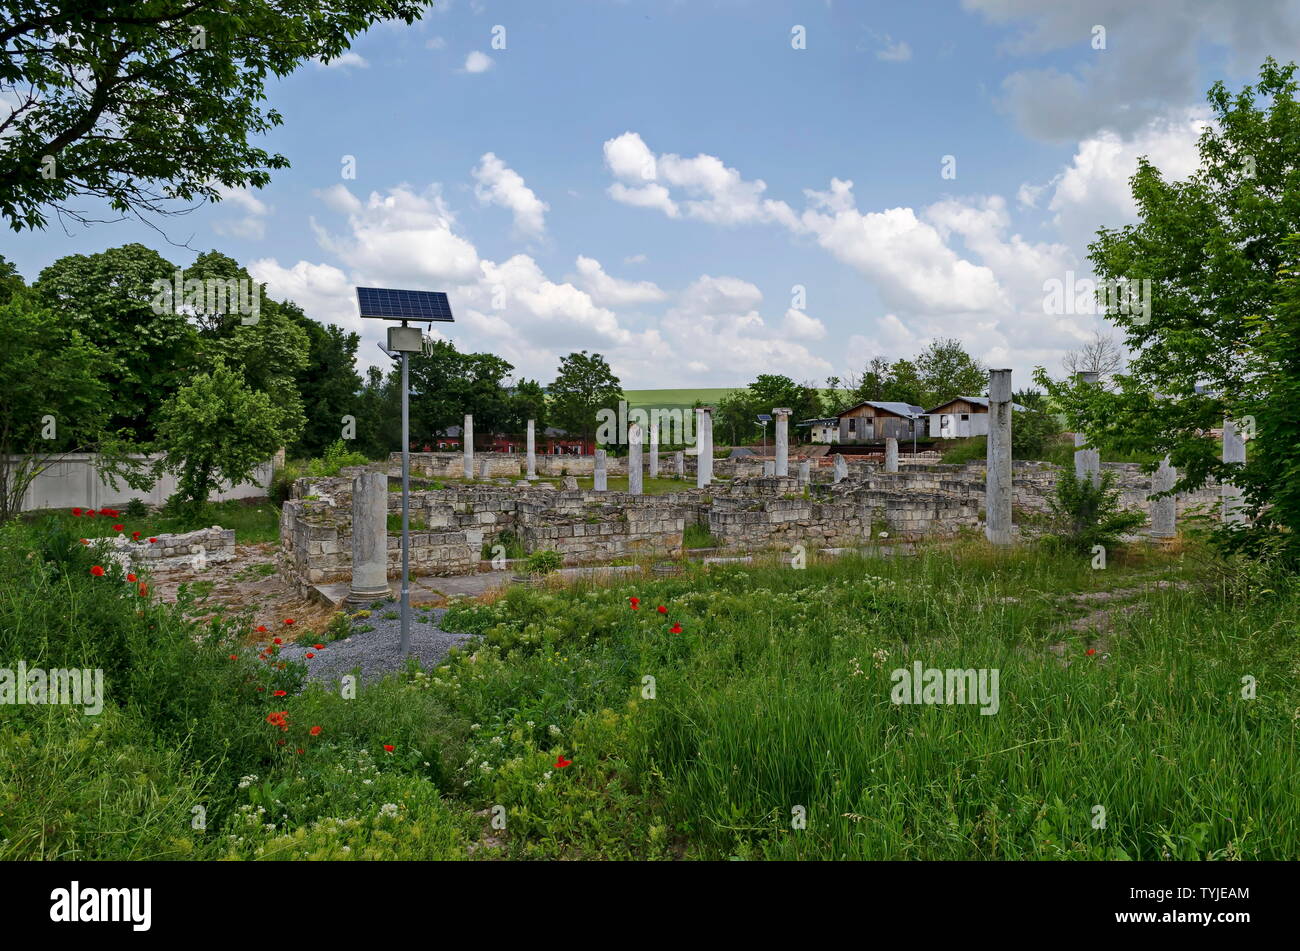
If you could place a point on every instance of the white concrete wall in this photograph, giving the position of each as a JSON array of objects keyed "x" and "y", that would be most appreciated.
[
  {"x": 73, "y": 481},
  {"x": 952, "y": 426}
]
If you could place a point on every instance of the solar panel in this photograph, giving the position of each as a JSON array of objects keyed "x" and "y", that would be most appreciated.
[{"x": 390, "y": 304}]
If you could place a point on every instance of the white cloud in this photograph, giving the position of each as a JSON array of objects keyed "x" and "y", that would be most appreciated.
[
  {"x": 1149, "y": 63},
  {"x": 436, "y": 43},
  {"x": 344, "y": 60},
  {"x": 478, "y": 62},
  {"x": 635, "y": 259},
  {"x": 605, "y": 289},
  {"x": 803, "y": 326},
  {"x": 712, "y": 191},
  {"x": 892, "y": 52},
  {"x": 498, "y": 184},
  {"x": 253, "y": 224}
]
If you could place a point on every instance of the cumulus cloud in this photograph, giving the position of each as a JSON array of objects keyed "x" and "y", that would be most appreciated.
[
  {"x": 892, "y": 52},
  {"x": 498, "y": 184},
  {"x": 478, "y": 62},
  {"x": 1148, "y": 65},
  {"x": 609, "y": 290},
  {"x": 344, "y": 60},
  {"x": 253, "y": 224}
]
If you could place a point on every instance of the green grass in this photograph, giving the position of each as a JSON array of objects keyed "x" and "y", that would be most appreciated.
[
  {"x": 698, "y": 536},
  {"x": 1059, "y": 452},
  {"x": 254, "y": 521},
  {"x": 775, "y": 696}
]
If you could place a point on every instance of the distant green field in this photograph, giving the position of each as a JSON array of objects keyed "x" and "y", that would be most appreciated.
[{"x": 668, "y": 399}]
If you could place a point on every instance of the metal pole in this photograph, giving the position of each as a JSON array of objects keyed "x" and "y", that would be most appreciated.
[{"x": 406, "y": 510}]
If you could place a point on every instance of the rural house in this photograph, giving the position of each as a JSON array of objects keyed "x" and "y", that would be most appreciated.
[
  {"x": 875, "y": 421},
  {"x": 825, "y": 430},
  {"x": 961, "y": 416}
]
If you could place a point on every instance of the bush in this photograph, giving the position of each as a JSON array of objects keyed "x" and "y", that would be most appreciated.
[
  {"x": 1084, "y": 515},
  {"x": 136, "y": 509},
  {"x": 543, "y": 562}
]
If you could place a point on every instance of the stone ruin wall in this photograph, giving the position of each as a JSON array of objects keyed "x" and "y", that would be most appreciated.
[{"x": 450, "y": 526}]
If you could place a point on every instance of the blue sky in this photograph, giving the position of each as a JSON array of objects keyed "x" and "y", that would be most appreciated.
[{"x": 655, "y": 181}]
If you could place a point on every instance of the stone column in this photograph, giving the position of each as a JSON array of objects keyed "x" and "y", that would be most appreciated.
[
  {"x": 485, "y": 468},
  {"x": 1087, "y": 462},
  {"x": 679, "y": 463},
  {"x": 1164, "y": 511},
  {"x": 654, "y": 444},
  {"x": 634, "y": 484},
  {"x": 782, "y": 415},
  {"x": 769, "y": 468},
  {"x": 532, "y": 452},
  {"x": 841, "y": 469},
  {"x": 1234, "y": 450},
  {"x": 891, "y": 454},
  {"x": 704, "y": 442},
  {"x": 997, "y": 486},
  {"x": 369, "y": 537},
  {"x": 805, "y": 472},
  {"x": 467, "y": 445},
  {"x": 600, "y": 477}
]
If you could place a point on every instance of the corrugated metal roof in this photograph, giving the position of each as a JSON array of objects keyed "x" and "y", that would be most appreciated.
[{"x": 898, "y": 409}]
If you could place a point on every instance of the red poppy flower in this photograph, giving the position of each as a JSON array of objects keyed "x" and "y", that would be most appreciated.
[
  {"x": 1091, "y": 651},
  {"x": 76, "y": 511},
  {"x": 388, "y": 748},
  {"x": 85, "y": 541},
  {"x": 661, "y": 609},
  {"x": 261, "y": 690},
  {"x": 319, "y": 647},
  {"x": 261, "y": 628},
  {"x": 153, "y": 541},
  {"x": 675, "y": 629},
  {"x": 144, "y": 589},
  {"x": 107, "y": 512},
  {"x": 118, "y": 528},
  {"x": 635, "y": 602},
  {"x": 279, "y": 742},
  {"x": 278, "y": 641},
  {"x": 234, "y": 657},
  {"x": 299, "y": 751},
  {"x": 131, "y": 577},
  {"x": 97, "y": 571},
  {"x": 288, "y": 620},
  {"x": 561, "y": 762},
  {"x": 310, "y": 655},
  {"x": 314, "y": 731},
  {"x": 135, "y": 535}
]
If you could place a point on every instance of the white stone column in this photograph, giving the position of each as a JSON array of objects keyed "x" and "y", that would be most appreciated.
[
  {"x": 679, "y": 463},
  {"x": 782, "y": 415},
  {"x": 634, "y": 483},
  {"x": 997, "y": 485},
  {"x": 467, "y": 445},
  {"x": 1234, "y": 450},
  {"x": 841, "y": 469},
  {"x": 891, "y": 454},
  {"x": 369, "y": 537},
  {"x": 532, "y": 452},
  {"x": 805, "y": 472},
  {"x": 485, "y": 468},
  {"x": 769, "y": 468},
  {"x": 1164, "y": 511},
  {"x": 704, "y": 441},
  {"x": 1087, "y": 462},
  {"x": 654, "y": 445},
  {"x": 600, "y": 476}
]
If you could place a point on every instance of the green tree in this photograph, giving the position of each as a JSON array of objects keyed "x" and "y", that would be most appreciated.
[
  {"x": 379, "y": 413},
  {"x": 1213, "y": 342},
  {"x": 10, "y": 280},
  {"x": 527, "y": 401},
  {"x": 216, "y": 429},
  {"x": 329, "y": 383},
  {"x": 904, "y": 384},
  {"x": 1084, "y": 514},
  {"x": 738, "y": 411},
  {"x": 144, "y": 103},
  {"x": 148, "y": 350},
  {"x": 53, "y": 394},
  {"x": 947, "y": 370},
  {"x": 584, "y": 384}
]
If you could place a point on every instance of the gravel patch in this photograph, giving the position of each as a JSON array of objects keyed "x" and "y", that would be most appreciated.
[{"x": 377, "y": 652}]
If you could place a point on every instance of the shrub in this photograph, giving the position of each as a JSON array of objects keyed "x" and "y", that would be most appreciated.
[
  {"x": 543, "y": 562},
  {"x": 1084, "y": 514},
  {"x": 136, "y": 509}
]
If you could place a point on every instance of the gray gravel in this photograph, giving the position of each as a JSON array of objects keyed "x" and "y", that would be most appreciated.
[{"x": 377, "y": 652}]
